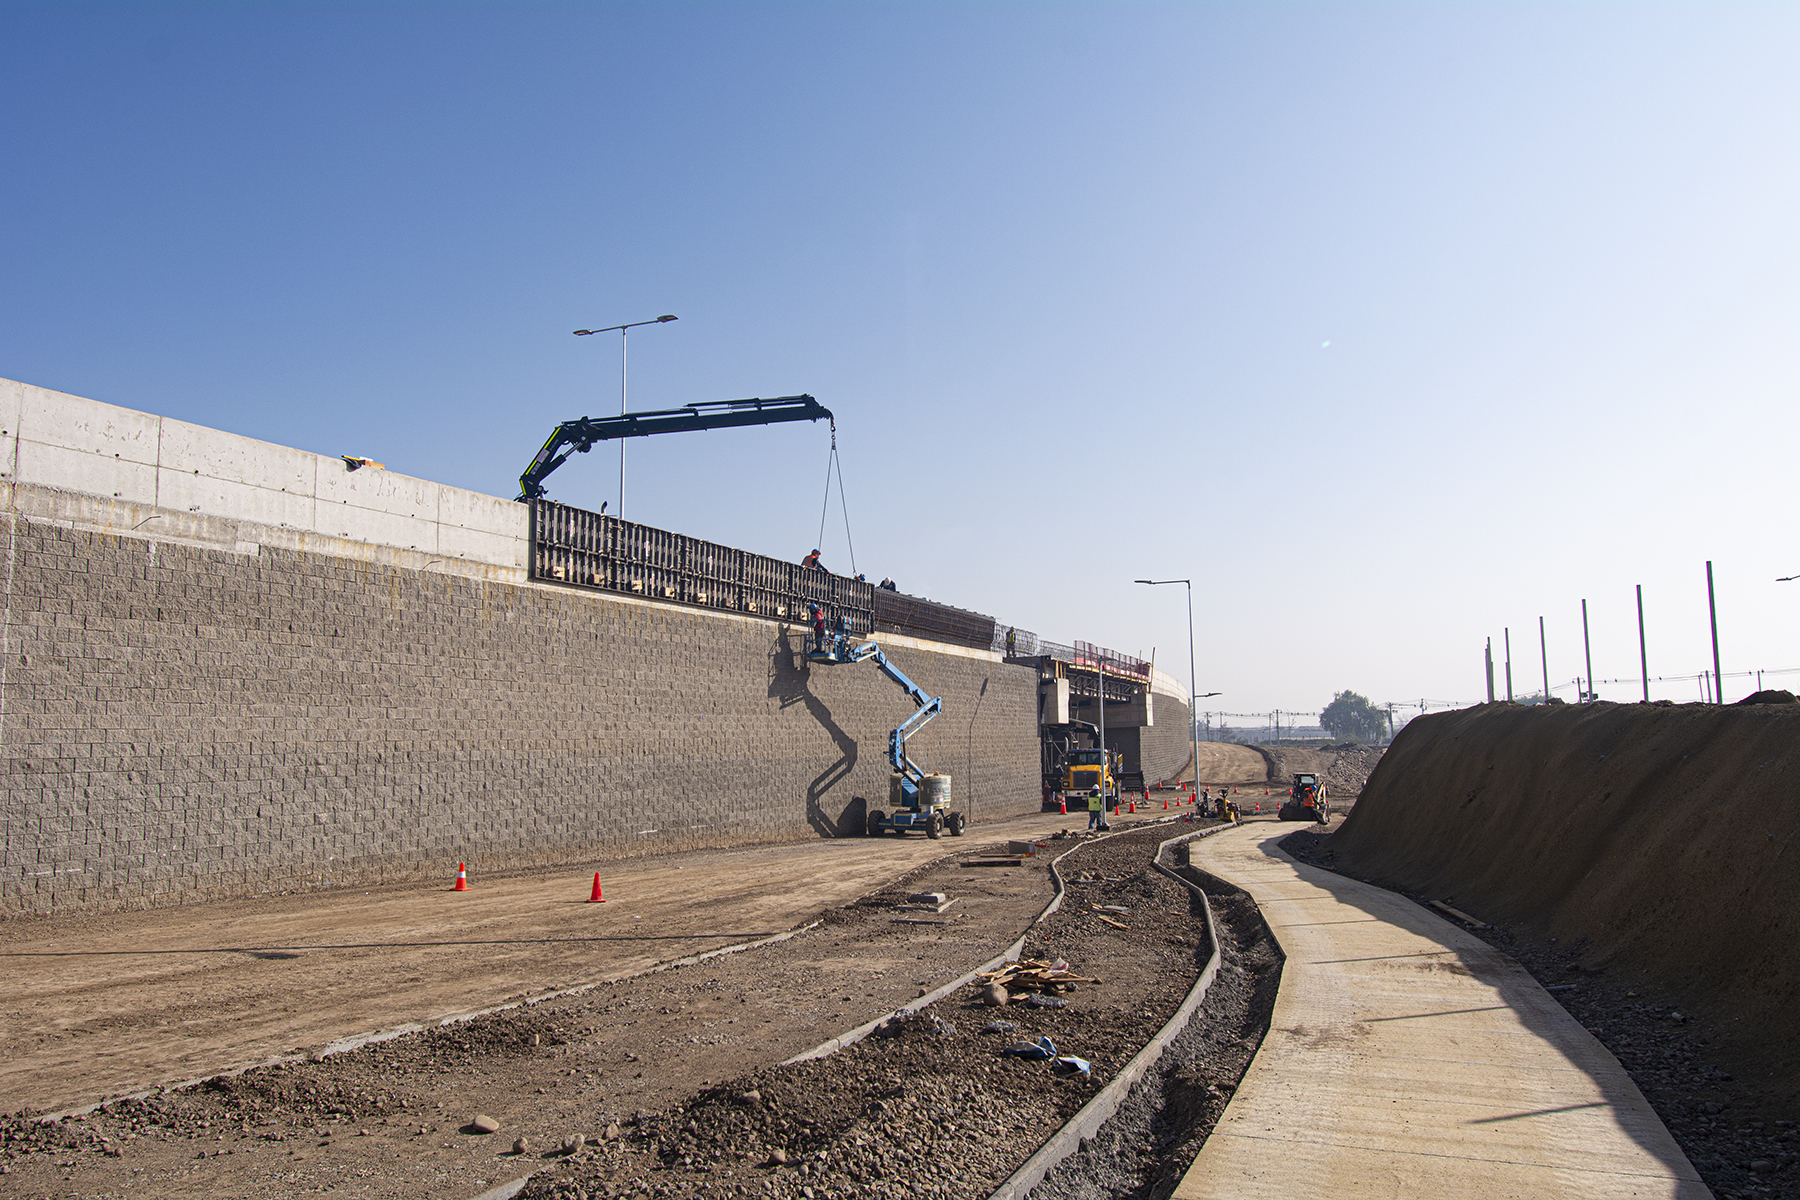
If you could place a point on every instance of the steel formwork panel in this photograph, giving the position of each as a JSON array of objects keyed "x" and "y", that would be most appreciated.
[{"x": 586, "y": 549}]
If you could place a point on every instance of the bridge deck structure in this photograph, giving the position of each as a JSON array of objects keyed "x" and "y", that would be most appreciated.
[{"x": 1408, "y": 1058}]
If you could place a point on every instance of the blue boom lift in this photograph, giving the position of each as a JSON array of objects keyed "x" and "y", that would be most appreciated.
[{"x": 920, "y": 801}]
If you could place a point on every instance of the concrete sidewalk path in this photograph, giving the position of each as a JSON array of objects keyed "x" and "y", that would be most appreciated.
[{"x": 1407, "y": 1058}]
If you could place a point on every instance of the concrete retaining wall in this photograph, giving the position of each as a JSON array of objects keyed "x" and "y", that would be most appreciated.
[
  {"x": 184, "y": 723},
  {"x": 229, "y": 667}
]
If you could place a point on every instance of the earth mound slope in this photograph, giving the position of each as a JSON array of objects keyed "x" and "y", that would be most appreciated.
[{"x": 1661, "y": 840}]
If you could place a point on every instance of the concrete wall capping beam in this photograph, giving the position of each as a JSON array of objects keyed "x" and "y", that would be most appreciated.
[{"x": 85, "y": 447}]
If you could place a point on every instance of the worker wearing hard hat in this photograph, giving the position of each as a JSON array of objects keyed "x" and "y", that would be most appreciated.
[
  {"x": 811, "y": 561},
  {"x": 1096, "y": 810}
]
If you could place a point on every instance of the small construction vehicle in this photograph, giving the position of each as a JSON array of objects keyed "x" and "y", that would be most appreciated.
[
  {"x": 1087, "y": 770},
  {"x": 1056, "y": 744},
  {"x": 918, "y": 800},
  {"x": 1307, "y": 800}
]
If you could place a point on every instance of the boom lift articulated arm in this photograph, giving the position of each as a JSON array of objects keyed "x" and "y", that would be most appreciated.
[
  {"x": 582, "y": 433},
  {"x": 921, "y": 801},
  {"x": 929, "y": 707}
]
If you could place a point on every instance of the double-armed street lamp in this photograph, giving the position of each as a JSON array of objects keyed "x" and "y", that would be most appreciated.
[
  {"x": 1193, "y": 678},
  {"x": 662, "y": 320}
]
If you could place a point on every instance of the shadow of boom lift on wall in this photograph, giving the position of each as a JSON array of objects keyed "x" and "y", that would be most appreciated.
[{"x": 788, "y": 684}]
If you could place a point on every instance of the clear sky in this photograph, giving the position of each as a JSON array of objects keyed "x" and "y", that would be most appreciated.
[{"x": 1394, "y": 325}]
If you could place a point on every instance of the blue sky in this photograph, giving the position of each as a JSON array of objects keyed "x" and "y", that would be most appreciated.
[{"x": 1397, "y": 325}]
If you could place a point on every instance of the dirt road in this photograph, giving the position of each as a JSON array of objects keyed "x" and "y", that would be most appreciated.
[
  {"x": 101, "y": 1005},
  {"x": 1229, "y": 763},
  {"x": 637, "y": 1075}
]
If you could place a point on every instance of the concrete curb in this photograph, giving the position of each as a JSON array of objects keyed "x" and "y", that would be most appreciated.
[
  {"x": 825, "y": 1049},
  {"x": 1010, "y": 954},
  {"x": 842, "y": 1041},
  {"x": 506, "y": 1191},
  {"x": 359, "y": 1040},
  {"x": 1098, "y": 1111}
]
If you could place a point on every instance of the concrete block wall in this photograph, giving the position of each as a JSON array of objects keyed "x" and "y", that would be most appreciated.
[
  {"x": 230, "y": 667},
  {"x": 184, "y": 722},
  {"x": 1166, "y": 748}
]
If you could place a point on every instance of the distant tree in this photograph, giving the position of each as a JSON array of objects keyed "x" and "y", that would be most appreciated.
[{"x": 1354, "y": 718}]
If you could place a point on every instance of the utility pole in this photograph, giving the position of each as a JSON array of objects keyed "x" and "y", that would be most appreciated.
[
  {"x": 1509, "y": 695},
  {"x": 622, "y": 329},
  {"x": 1544, "y": 654},
  {"x": 1588, "y": 651},
  {"x": 1643, "y": 654},
  {"x": 1488, "y": 659},
  {"x": 1712, "y": 614},
  {"x": 1105, "y": 763}
]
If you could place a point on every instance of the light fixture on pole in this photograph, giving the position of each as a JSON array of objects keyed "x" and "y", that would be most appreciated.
[
  {"x": 662, "y": 320},
  {"x": 1193, "y": 679}
]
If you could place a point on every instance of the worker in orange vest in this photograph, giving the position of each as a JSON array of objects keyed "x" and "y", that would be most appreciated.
[{"x": 811, "y": 562}]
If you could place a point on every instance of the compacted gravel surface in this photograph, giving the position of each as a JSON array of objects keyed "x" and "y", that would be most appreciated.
[{"x": 1753, "y": 1155}]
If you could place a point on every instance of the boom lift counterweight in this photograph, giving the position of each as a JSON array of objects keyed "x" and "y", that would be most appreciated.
[{"x": 920, "y": 800}]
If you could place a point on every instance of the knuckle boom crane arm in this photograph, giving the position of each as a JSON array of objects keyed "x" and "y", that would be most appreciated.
[{"x": 581, "y": 433}]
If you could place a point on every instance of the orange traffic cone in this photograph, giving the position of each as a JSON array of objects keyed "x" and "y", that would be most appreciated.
[
  {"x": 1165, "y": 804},
  {"x": 1062, "y": 806},
  {"x": 462, "y": 878},
  {"x": 1134, "y": 806},
  {"x": 596, "y": 898}
]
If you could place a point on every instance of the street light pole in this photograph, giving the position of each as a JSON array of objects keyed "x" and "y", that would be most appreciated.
[
  {"x": 1193, "y": 679},
  {"x": 662, "y": 320}
]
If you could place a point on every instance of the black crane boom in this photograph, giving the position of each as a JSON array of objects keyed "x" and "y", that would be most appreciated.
[{"x": 582, "y": 433}]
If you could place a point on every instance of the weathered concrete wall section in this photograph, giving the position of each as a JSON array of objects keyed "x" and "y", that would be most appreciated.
[
  {"x": 181, "y": 722},
  {"x": 125, "y": 471}
]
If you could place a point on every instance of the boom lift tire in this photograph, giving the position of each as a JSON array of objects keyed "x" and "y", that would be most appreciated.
[
  {"x": 934, "y": 825},
  {"x": 956, "y": 824},
  {"x": 875, "y": 820}
]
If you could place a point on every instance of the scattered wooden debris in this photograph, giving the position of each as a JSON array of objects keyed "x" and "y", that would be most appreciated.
[
  {"x": 991, "y": 862},
  {"x": 935, "y": 902},
  {"x": 1464, "y": 917},
  {"x": 1030, "y": 975}
]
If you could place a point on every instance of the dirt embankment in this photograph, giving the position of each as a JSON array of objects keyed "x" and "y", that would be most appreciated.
[
  {"x": 1345, "y": 768},
  {"x": 1656, "y": 843}
]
